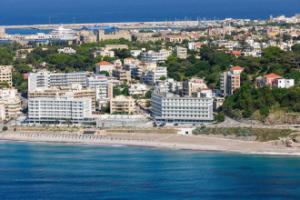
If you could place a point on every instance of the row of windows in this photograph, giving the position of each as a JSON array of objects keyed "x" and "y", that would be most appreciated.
[{"x": 174, "y": 116}]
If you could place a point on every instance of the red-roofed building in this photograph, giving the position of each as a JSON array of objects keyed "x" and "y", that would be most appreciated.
[
  {"x": 267, "y": 80},
  {"x": 270, "y": 78},
  {"x": 236, "y": 69},
  {"x": 104, "y": 66},
  {"x": 236, "y": 53}
]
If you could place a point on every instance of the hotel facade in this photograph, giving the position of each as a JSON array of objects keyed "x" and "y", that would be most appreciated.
[
  {"x": 58, "y": 110},
  {"x": 170, "y": 108}
]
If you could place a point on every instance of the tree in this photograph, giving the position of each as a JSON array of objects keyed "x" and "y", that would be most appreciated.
[
  {"x": 6, "y": 56},
  {"x": 220, "y": 117},
  {"x": 296, "y": 48},
  {"x": 162, "y": 78},
  {"x": 148, "y": 94},
  {"x": 121, "y": 90},
  {"x": 106, "y": 73},
  {"x": 122, "y": 53}
]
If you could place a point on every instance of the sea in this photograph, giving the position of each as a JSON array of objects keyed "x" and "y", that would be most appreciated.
[
  {"x": 59, "y": 171},
  {"x": 20, "y": 12}
]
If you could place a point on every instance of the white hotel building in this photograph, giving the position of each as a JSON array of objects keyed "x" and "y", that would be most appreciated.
[
  {"x": 65, "y": 109},
  {"x": 170, "y": 108}
]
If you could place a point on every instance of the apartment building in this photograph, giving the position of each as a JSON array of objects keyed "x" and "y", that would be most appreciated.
[
  {"x": 152, "y": 76},
  {"x": 10, "y": 104},
  {"x": 152, "y": 56},
  {"x": 169, "y": 85},
  {"x": 122, "y": 104},
  {"x": 231, "y": 80},
  {"x": 103, "y": 88},
  {"x": 6, "y": 74},
  {"x": 122, "y": 75},
  {"x": 138, "y": 89},
  {"x": 192, "y": 86},
  {"x": 171, "y": 108},
  {"x": 45, "y": 79},
  {"x": 181, "y": 52}
]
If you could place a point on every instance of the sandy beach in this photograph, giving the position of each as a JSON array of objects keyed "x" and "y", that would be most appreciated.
[{"x": 169, "y": 141}]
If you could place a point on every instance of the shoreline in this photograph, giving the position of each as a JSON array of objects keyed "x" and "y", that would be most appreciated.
[
  {"x": 120, "y": 23},
  {"x": 159, "y": 141}
]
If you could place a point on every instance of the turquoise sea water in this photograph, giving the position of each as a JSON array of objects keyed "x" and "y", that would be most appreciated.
[
  {"x": 42, "y": 171},
  {"x": 79, "y": 11}
]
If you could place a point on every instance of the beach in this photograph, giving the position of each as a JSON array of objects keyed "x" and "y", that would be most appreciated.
[{"x": 167, "y": 141}]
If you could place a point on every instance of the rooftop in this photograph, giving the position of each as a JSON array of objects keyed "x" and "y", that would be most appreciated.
[
  {"x": 104, "y": 63},
  {"x": 236, "y": 68},
  {"x": 272, "y": 75}
]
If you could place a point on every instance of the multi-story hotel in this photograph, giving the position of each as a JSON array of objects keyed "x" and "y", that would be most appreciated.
[
  {"x": 75, "y": 92},
  {"x": 45, "y": 79},
  {"x": 171, "y": 108},
  {"x": 6, "y": 74},
  {"x": 62, "y": 109}
]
